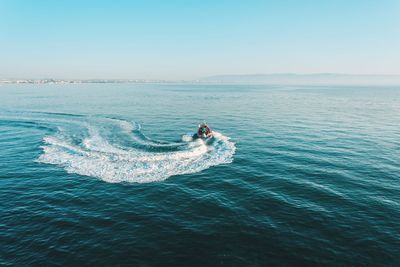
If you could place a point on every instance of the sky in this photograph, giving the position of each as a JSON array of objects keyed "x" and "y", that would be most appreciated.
[{"x": 187, "y": 39}]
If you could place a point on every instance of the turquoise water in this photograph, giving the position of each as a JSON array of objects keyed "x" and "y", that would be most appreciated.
[{"x": 107, "y": 174}]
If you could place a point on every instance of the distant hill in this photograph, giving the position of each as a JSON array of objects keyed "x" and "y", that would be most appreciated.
[{"x": 317, "y": 79}]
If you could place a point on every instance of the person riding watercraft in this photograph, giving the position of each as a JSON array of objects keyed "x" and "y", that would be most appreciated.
[{"x": 204, "y": 131}]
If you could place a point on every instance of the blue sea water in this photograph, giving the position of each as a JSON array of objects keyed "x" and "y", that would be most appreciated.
[{"x": 108, "y": 175}]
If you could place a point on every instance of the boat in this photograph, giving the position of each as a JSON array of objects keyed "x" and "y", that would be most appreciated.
[{"x": 204, "y": 132}]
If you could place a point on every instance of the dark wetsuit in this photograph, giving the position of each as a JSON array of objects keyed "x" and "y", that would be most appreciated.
[{"x": 203, "y": 130}]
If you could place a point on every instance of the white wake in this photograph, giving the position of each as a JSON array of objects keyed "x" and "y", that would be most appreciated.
[{"x": 139, "y": 159}]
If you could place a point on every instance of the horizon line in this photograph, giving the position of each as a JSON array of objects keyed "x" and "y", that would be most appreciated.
[{"x": 203, "y": 77}]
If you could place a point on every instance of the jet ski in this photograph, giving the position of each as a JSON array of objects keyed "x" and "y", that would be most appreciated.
[{"x": 204, "y": 132}]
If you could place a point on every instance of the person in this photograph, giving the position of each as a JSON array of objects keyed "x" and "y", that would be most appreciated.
[{"x": 204, "y": 130}]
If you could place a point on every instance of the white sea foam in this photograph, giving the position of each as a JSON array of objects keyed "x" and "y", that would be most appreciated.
[{"x": 98, "y": 156}]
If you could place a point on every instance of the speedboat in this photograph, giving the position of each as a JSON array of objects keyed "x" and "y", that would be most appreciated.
[{"x": 204, "y": 132}]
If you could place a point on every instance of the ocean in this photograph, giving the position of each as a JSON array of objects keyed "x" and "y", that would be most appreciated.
[{"x": 109, "y": 175}]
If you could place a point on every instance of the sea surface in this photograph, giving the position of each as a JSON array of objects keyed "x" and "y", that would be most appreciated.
[{"x": 109, "y": 175}]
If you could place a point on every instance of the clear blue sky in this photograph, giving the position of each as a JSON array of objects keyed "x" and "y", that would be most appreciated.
[{"x": 186, "y": 39}]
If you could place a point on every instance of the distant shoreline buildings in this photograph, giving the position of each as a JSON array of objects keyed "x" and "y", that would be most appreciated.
[
  {"x": 271, "y": 79},
  {"x": 59, "y": 81}
]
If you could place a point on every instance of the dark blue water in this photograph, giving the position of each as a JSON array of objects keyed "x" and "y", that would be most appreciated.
[{"x": 108, "y": 175}]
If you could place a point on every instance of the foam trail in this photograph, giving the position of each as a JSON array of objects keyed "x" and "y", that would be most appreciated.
[{"x": 99, "y": 155}]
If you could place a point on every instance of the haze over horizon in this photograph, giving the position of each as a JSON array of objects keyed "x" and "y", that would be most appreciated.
[{"x": 191, "y": 40}]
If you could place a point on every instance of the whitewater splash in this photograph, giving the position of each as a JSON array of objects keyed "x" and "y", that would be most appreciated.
[{"x": 116, "y": 150}]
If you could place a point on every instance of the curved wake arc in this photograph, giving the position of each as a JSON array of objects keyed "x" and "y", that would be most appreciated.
[{"x": 116, "y": 151}]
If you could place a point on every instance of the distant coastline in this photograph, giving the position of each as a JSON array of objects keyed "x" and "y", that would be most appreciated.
[
  {"x": 273, "y": 79},
  {"x": 73, "y": 81},
  {"x": 308, "y": 79}
]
